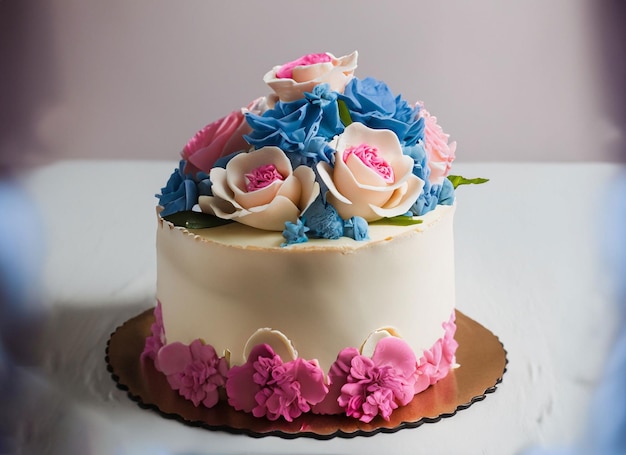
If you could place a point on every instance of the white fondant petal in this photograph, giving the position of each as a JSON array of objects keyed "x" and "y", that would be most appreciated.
[
  {"x": 310, "y": 189},
  {"x": 258, "y": 197},
  {"x": 369, "y": 345},
  {"x": 275, "y": 339},
  {"x": 271, "y": 217},
  {"x": 326, "y": 174},
  {"x": 291, "y": 188},
  {"x": 363, "y": 173},
  {"x": 413, "y": 190}
]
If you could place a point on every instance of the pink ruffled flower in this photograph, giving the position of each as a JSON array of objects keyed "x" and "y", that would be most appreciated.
[
  {"x": 220, "y": 138},
  {"x": 372, "y": 386},
  {"x": 156, "y": 340},
  {"x": 267, "y": 387},
  {"x": 436, "y": 362},
  {"x": 195, "y": 371},
  {"x": 440, "y": 154}
]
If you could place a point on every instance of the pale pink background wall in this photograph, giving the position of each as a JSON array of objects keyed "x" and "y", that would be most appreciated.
[{"x": 515, "y": 80}]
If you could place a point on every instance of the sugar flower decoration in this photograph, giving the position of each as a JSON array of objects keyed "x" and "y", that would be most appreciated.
[
  {"x": 372, "y": 103},
  {"x": 220, "y": 138},
  {"x": 260, "y": 189},
  {"x": 371, "y": 177},
  {"x": 267, "y": 387},
  {"x": 440, "y": 152},
  {"x": 291, "y": 80},
  {"x": 194, "y": 370},
  {"x": 365, "y": 387}
]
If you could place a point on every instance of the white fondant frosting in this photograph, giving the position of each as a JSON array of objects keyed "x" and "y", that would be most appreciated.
[{"x": 223, "y": 284}]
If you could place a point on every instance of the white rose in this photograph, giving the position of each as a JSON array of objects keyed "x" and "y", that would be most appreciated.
[
  {"x": 371, "y": 177},
  {"x": 260, "y": 189}
]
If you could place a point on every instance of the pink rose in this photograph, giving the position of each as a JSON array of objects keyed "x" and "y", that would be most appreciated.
[
  {"x": 440, "y": 154},
  {"x": 371, "y": 178},
  {"x": 291, "y": 80},
  {"x": 220, "y": 138}
]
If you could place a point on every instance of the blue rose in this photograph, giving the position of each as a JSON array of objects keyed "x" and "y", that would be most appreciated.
[
  {"x": 180, "y": 193},
  {"x": 299, "y": 128},
  {"x": 372, "y": 103}
]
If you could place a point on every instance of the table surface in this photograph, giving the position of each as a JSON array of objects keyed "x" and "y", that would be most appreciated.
[{"x": 530, "y": 266}]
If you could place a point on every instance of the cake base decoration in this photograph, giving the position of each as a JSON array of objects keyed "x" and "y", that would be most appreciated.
[{"x": 481, "y": 354}]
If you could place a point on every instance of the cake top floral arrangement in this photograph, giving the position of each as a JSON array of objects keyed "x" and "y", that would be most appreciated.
[{"x": 322, "y": 156}]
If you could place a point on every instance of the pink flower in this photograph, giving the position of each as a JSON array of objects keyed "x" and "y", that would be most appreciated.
[
  {"x": 436, "y": 362},
  {"x": 440, "y": 154},
  {"x": 195, "y": 371},
  {"x": 267, "y": 387},
  {"x": 220, "y": 138},
  {"x": 372, "y": 386},
  {"x": 156, "y": 340}
]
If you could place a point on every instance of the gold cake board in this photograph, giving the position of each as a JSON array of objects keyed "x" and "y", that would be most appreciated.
[{"x": 481, "y": 355}]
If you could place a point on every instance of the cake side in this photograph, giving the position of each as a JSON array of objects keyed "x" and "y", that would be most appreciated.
[{"x": 322, "y": 300}]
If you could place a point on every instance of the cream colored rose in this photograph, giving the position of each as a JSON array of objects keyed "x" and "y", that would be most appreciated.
[
  {"x": 260, "y": 189},
  {"x": 371, "y": 178},
  {"x": 336, "y": 72}
]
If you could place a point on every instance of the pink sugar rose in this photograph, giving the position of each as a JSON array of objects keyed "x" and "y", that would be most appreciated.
[
  {"x": 267, "y": 387},
  {"x": 440, "y": 153},
  {"x": 291, "y": 80},
  {"x": 220, "y": 138},
  {"x": 195, "y": 371}
]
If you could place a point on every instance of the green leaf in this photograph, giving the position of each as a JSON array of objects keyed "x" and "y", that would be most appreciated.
[
  {"x": 458, "y": 180},
  {"x": 398, "y": 221},
  {"x": 344, "y": 113},
  {"x": 195, "y": 220}
]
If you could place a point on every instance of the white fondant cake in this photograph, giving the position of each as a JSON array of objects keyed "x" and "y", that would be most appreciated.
[
  {"x": 222, "y": 284},
  {"x": 305, "y": 251}
]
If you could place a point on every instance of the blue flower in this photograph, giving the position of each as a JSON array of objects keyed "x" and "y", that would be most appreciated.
[
  {"x": 420, "y": 160},
  {"x": 180, "y": 193},
  {"x": 294, "y": 233},
  {"x": 433, "y": 195},
  {"x": 356, "y": 228},
  {"x": 299, "y": 128},
  {"x": 323, "y": 220},
  {"x": 372, "y": 103}
]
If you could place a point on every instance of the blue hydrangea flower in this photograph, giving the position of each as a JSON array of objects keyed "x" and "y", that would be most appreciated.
[
  {"x": 433, "y": 195},
  {"x": 323, "y": 220},
  {"x": 372, "y": 103},
  {"x": 326, "y": 99},
  {"x": 180, "y": 193},
  {"x": 356, "y": 228},
  {"x": 420, "y": 160},
  {"x": 294, "y": 233},
  {"x": 299, "y": 128}
]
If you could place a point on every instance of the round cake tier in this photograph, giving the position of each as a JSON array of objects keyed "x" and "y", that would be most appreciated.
[{"x": 222, "y": 284}]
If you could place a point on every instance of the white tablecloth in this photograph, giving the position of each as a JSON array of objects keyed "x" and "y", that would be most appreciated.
[{"x": 530, "y": 266}]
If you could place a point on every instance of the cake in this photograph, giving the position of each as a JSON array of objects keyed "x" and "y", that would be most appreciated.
[{"x": 305, "y": 260}]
